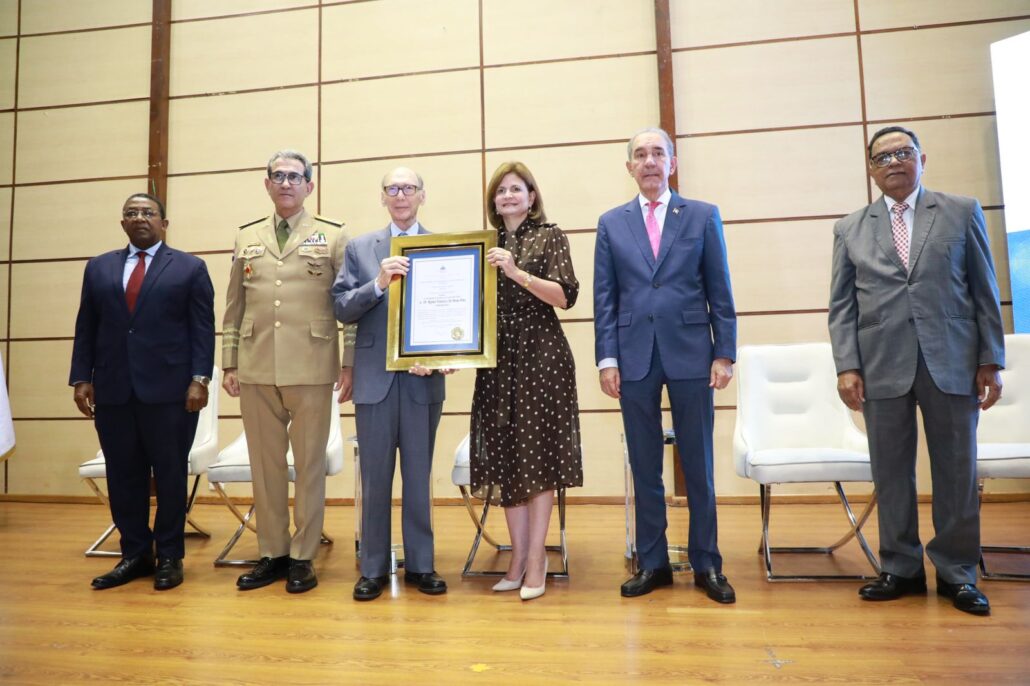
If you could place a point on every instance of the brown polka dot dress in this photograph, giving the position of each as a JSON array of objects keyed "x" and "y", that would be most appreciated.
[{"x": 525, "y": 416}]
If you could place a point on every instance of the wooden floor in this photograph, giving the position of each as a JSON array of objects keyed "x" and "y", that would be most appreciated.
[{"x": 55, "y": 630}]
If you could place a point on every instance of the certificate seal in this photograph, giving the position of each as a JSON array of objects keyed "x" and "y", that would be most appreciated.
[{"x": 457, "y": 333}]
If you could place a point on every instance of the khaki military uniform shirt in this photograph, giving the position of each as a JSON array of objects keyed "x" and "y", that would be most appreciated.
[{"x": 279, "y": 328}]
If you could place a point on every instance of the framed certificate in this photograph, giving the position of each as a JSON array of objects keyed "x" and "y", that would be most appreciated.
[{"x": 444, "y": 312}]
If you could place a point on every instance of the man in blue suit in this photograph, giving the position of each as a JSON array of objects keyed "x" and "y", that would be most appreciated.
[
  {"x": 143, "y": 354},
  {"x": 664, "y": 316},
  {"x": 392, "y": 411}
]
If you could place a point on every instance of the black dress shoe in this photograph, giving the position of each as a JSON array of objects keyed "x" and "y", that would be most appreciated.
[
  {"x": 429, "y": 583},
  {"x": 301, "y": 576},
  {"x": 891, "y": 587},
  {"x": 965, "y": 597},
  {"x": 266, "y": 571},
  {"x": 647, "y": 580},
  {"x": 716, "y": 586},
  {"x": 125, "y": 571},
  {"x": 168, "y": 574},
  {"x": 370, "y": 588}
]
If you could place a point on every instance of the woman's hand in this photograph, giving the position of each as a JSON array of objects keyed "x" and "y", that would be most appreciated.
[{"x": 505, "y": 261}]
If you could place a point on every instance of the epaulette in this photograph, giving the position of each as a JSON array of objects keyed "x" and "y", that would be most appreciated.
[
  {"x": 243, "y": 226},
  {"x": 333, "y": 222}
]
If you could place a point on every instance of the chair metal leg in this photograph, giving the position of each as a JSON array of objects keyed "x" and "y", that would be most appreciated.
[
  {"x": 765, "y": 497},
  {"x": 481, "y": 534},
  {"x": 197, "y": 529},
  {"x": 1003, "y": 549}
]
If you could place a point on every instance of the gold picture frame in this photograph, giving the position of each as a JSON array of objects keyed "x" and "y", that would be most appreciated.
[{"x": 443, "y": 313}]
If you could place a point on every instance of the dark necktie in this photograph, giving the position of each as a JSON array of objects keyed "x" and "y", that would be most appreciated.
[
  {"x": 136, "y": 281},
  {"x": 282, "y": 233}
]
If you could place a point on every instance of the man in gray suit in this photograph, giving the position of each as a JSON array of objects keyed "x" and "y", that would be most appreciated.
[
  {"x": 915, "y": 319},
  {"x": 392, "y": 410}
]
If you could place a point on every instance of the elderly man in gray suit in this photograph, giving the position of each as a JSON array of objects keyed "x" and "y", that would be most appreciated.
[
  {"x": 915, "y": 319},
  {"x": 392, "y": 410}
]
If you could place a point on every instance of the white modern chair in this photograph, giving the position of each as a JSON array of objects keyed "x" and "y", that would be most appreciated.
[
  {"x": 233, "y": 466},
  {"x": 202, "y": 454},
  {"x": 793, "y": 428},
  {"x": 461, "y": 476},
  {"x": 1003, "y": 436}
]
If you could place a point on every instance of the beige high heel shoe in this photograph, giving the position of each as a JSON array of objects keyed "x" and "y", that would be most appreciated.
[
  {"x": 530, "y": 592},
  {"x": 506, "y": 585}
]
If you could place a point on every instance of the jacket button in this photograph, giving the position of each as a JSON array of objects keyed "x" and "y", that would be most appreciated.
[
  {"x": 650, "y": 317},
  {"x": 911, "y": 321},
  {"x": 278, "y": 282},
  {"x": 277, "y": 303},
  {"x": 279, "y": 263},
  {"x": 655, "y": 285},
  {"x": 278, "y": 324}
]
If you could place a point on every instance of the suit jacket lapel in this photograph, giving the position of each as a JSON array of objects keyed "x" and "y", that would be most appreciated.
[
  {"x": 266, "y": 234},
  {"x": 926, "y": 211},
  {"x": 879, "y": 219},
  {"x": 635, "y": 222},
  {"x": 382, "y": 245},
  {"x": 117, "y": 276},
  {"x": 674, "y": 218}
]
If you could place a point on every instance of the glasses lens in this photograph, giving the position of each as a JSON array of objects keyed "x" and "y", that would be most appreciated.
[
  {"x": 132, "y": 214},
  {"x": 293, "y": 177},
  {"x": 903, "y": 155},
  {"x": 392, "y": 191},
  {"x": 409, "y": 189}
]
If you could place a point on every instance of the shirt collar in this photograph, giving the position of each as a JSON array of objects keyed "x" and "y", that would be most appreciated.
[
  {"x": 910, "y": 200},
  {"x": 291, "y": 221},
  {"x": 152, "y": 250},
  {"x": 664, "y": 199},
  {"x": 396, "y": 230}
]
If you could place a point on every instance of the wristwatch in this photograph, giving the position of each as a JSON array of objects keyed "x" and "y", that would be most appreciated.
[{"x": 204, "y": 380}]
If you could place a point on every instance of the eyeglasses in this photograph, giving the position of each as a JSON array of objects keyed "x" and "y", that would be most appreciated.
[
  {"x": 133, "y": 213},
  {"x": 407, "y": 189},
  {"x": 901, "y": 155},
  {"x": 293, "y": 177}
]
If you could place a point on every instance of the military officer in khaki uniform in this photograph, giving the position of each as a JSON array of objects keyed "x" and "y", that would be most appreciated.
[{"x": 281, "y": 357}]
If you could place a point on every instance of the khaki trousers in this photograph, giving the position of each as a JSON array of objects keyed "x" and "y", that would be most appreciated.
[{"x": 275, "y": 418}]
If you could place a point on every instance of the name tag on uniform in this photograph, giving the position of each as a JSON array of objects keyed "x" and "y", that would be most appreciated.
[
  {"x": 313, "y": 250},
  {"x": 316, "y": 239},
  {"x": 252, "y": 251}
]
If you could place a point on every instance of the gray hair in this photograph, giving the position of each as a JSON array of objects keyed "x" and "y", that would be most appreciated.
[
  {"x": 290, "y": 155},
  {"x": 669, "y": 147}
]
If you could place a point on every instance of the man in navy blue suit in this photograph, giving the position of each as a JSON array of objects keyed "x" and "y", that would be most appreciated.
[
  {"x": 142, "y": 358},
  {"x": 664, "y": 316}
]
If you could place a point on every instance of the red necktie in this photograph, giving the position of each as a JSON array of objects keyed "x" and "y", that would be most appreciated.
[
  {"x": 900, "y": 231},
  {"x": 653, "y": 233},
  {"x": 136, "y": 280}
]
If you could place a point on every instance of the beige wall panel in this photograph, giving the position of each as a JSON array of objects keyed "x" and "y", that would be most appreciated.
[
  {"x": 461, "y": 386},
  {"x": 581, "y": 339},
  {"x": 83, "y": 142},
  {"x": 240, "y": 131},
  {"x": 96, "y": 224},
  {"x": 999, "y": 250},
  {"x": 761, "y": 86},
  {"x": 8, "y": 55},
  {"x": 84, "y": 67},
  {"x": 449, "y": 434},
  {"x": 780, "y": 265},
  {"x": 218, "y": 267},
  {"x": 962, "y": 157},
  {"x": 205, "y": 211},
  {"x": 47, "y": 459},
  {"x": 1006, "y": 318},
  {"x": 3, "y": 300},
  {"x": 603, "y": 473},
  {"x": 46, "y": 298},
  {"x": 8, "y": 17},
  {"x": 5, "y": 222},
  {"x": 454, "y": 201},
  {"x": 244, "y": 52},
  {"x": 567, "y": 29},
  {"x": 422, "y": 36},
  {"x": 780, "y": 329},
  {"x": 566, "y": 105},
  {"x": 713, "y": 22},
  {"x": 582, "y": 247},
  {"x": 38, "y": 379},
  {"x": 778, "y": 174},
  {"x": 43, "y": 16},
  {"x": 958, "y": 58},
  {"x": 883, "y": 14},
  {"x": 579, "y": 183},
  {"x": 195, "y": 9},
  {"x": 6, "y": 147},
  {"x": 362, "y": 119}
]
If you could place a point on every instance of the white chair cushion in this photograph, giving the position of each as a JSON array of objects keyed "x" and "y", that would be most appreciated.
[
  {"x": 94, "y": 469},
  {"x": 802, "y": 465},
  {"x": 461, "y": 475},
  {"x": 1003, "y": 460}
]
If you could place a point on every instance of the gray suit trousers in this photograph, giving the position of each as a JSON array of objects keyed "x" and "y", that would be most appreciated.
[
  {"x": 950, "y": 425},
  {"x": 384, "y": 427}
]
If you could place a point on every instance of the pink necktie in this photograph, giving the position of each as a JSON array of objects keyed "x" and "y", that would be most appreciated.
[
  {"x": 653, "y": 234},
  {"x": 900, "y": 231}
]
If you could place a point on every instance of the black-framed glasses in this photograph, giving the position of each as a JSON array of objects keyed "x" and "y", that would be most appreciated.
[
  {"x": 901, "y": 155},
  {"x": 132, "y": 213},
  {"x": 293, "y": 177},
  {"x": 407, "y": 189}
]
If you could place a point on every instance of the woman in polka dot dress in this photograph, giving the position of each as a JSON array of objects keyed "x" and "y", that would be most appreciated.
[{"x": 525, "y": 439}]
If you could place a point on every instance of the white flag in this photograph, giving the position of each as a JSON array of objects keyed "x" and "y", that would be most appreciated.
[{"x": 6, "y": 422}]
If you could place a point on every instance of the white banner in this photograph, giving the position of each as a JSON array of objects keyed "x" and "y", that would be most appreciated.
[{"x": 6, "y": 422}]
